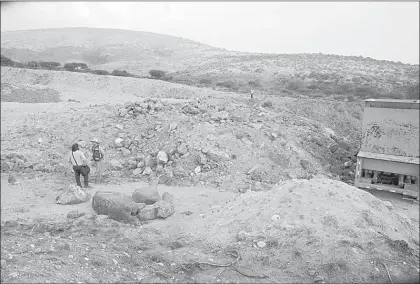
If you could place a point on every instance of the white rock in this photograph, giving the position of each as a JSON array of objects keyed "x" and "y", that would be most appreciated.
[
  {"x": 119, "y": 126},
  {"x": 147, "y": 171},
  {"x": 197, "y": 169},
  {"x": 162, "y": 158},
  {"x": 275, "y": 217},
  {"x": 261, "y": 244},
  {"x": 118, "y": 142}
]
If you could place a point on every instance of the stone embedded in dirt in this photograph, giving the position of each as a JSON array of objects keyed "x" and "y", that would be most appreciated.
[
  {"x": 12, "y": 179},
  {"x": 197, "y": 170},
  {"x": 167, "y": 197},
  {"x": 162, "y": 157},
  {"x": 115, "y": 164},
  {"x": 73, "y": 195},
  {"x": 117, "y": 206},
  {"x": 173, "y": 126},
  {"x": 159, "y": 168},
  {"x": 74, "y": 214},
  {"x": 305, "y": 164},
  {"x": 147, "y": 195},
  {"x": 140, "y": 164},
  {"x": 311, "y": 272},
  {"x": 388, "y": 204},
  {"x": 318, "y": 279},
  {"x": 147, "y": 213},
  {"x": 344, "y": 145},
  {"x": 149, "y": 161},
  {"x": 119, "y": 126},
  {"x": 132, "y": 164},
  {"x": 118, "y": 142},
  {"x": 137, "y": 172},
  {"x": 164, "y": 209},
  {"x": 261, "y": 244},
  {"x": 182, "y": 149},
  {"x": 242, "y": 236},
  {"x": 125, "y": 152},
  {"x": 275, "y": 217},
  {"x": 147, "y": 171}
]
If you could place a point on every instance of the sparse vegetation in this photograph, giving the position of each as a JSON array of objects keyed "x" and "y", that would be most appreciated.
[
  {"x": 157, "y": 74},
  {"x": 121, "y": 73},
  {"x": 100, "y": 72},
  {"x": 74, "y": 66}
]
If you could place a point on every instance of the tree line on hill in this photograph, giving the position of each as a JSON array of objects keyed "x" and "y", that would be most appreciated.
[{"x": 76, "y": 67}]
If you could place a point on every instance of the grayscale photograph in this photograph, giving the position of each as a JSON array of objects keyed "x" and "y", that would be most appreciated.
[{"x": 210, "y": 142}]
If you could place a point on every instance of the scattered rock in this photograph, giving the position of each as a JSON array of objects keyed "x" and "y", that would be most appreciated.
[
  {"x": 115, "y": 164},
  {"x": 197, "y": 170},
  {"x": 137, "y": 172},
  {"x": 147, "y": 195},
  {"x": 311, "y": 272},
  {"x": 333, "y": 148},
  {"x": 275, "y": 217},
  {"x": 261, "y": 244},
  {"x": 125, "y": 152},
  {"x": 73, "y": 195},
  {"x": 164, "y": 209},
  {"x": 12, "y": 179},
  {"x": 242, "y": 236},
  {"x": 118, "y": 142},
  {"x": 141, "y": 164},
  {"x": 149, "y": 161},
  {"x": 117, "y": 206},
  {"x": 182, "y": 149},
  {"x": 305, "y": 164},
  {"x": 147, "y": 171},
  {"x": 159, "y": 168},
  {"x": 74, "y": 214},
  {"x": 119, "y": 126},
  {"x": 162, "y": 158}
]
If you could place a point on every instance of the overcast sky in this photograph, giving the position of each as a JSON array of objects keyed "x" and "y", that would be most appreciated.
[{"x": 387, "y": 30}]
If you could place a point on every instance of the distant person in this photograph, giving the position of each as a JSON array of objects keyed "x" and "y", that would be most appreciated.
[
  {"x": 80, "y": 165},
  {"x": 252, "y": 94},
  {"x": 98, "y": 155}
]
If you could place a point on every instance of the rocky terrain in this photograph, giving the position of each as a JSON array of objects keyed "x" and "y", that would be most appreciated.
[{"x": 201, "y": 184}]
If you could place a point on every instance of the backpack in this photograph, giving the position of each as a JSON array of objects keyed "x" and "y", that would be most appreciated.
[{"x": 97, "y": 155}]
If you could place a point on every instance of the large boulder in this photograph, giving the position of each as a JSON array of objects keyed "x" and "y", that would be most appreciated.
[
  {"x": 73, "y": 195},
  {"x": 147, "y": 195},
  {"x": 117, "y": 206}
]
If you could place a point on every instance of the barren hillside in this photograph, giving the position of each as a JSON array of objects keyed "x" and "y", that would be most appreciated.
[{"x": 188, "y": 62}]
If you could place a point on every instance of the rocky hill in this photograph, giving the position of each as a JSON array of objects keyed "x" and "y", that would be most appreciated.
[{"x": 187, "y": 62}]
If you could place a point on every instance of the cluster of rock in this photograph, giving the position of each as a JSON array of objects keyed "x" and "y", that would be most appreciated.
[
  {"x": 14, "y": 162},
  {"x": 133, "y": 109},
  {"x": 145, "y": 204}
]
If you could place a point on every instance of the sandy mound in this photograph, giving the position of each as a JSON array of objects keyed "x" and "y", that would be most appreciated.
[{"x": 337, "y": 227}]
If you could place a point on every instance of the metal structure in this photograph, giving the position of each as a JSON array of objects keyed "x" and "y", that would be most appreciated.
[{"x": 389, "y": 154}]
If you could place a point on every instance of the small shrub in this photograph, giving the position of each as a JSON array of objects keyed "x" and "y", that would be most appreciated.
[
  {"x": 74, "y": 66},
  {"x": 100, "y": 72},
  {"x": 49, "y": 65},
  {"x": 267, "y": 104},
  {"x": 254, "y": 83},
  {"x": 158, "y": 74},
  {"x": 412, "y": 92},
  {"x": 122, "y": 73},
  {"x": 33, "y": 64}
]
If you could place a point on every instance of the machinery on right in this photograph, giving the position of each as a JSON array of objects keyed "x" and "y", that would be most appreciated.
[{"x": 389, "y": 152}]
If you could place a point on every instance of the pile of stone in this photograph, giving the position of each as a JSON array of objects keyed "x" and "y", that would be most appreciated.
[
  {"x": 133, "y": 109},
  {"x": 145, "y": 204},
  {"x": 15, "y": 162}
]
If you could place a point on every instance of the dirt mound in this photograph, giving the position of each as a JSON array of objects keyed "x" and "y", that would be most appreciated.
[{"x": 337, "y": 227}]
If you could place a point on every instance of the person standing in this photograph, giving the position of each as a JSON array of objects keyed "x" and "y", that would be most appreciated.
[
  {"x": 98, "y": 155},
  {"x": 80, "y": 165}
]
